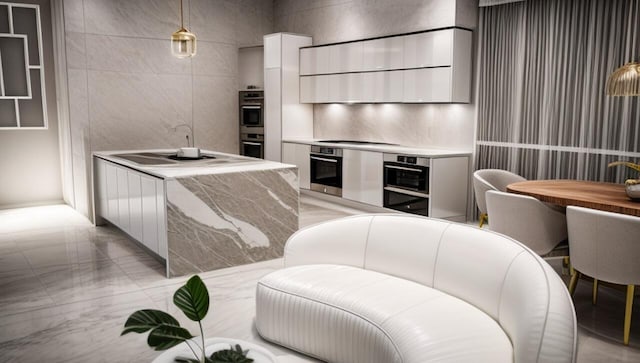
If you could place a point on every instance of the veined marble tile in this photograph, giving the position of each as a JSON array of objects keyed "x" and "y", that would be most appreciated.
[
  {"x": 148, "y": 19},
  {"x": 21, "y": 290},
  {"x": 215, "y": 20},
  {"x": 73, "y": 15},
  {"x": 13, "y": 261},
  {"x": 215, "y": 113},
  {"x": 63, "y": 254},
  {"x": 134, "y": 55},
  {"x": 76, "y": 55},
  {"x": 138, "y": 110},
  {"x": 223, "y": 56},
  {"x": 222, "y": 220}
]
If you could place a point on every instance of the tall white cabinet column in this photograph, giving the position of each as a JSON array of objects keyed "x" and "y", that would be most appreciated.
[{"x": 285, "y": 117}]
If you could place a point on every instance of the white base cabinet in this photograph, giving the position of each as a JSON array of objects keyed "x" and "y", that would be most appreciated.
[
  {"x": 132, "y": 201},
  {"x": 362, "y": 176},
  {"x": 298, "y": 155}
]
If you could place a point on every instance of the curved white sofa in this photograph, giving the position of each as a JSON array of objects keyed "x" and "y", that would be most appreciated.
[{"x": 396, "y": 288}]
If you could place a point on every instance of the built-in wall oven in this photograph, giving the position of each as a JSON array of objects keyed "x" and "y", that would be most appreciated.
[
  {"x": 251, "y": 123},
  {"x": 406, "y": 183},
  {"x": 326, "y": 170}
]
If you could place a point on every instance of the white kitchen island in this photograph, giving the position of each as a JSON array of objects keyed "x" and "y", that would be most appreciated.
[{"x": 198, "y": 215}]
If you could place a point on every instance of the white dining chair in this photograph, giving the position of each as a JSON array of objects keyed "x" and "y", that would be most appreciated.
[
  {"x": 527, "y": 220},
  {"x": 491, "y": 179},
  {"x": 604, "y": 245}
]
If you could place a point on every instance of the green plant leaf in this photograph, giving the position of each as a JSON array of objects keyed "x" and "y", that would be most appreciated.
[
  {"x": 193, "y": 299},
  {"x": 166, "y": 336},
  {"x": 143, "y": 320},
  {"x": 633, "y": 166}
]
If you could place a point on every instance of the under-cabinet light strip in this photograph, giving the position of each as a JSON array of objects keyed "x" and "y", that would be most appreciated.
[
  {"x": 1, "y": 77},
  {"x": 17, "y": 113},
  {"x": 10, "y": 13}
]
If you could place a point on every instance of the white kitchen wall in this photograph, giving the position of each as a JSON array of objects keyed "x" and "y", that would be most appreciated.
[
  {"x": 30, "y": 159},
  {"x": 251, "y": 67},
  {"x": 329, "y": 21},
  {"x": 126, "y": 90}
]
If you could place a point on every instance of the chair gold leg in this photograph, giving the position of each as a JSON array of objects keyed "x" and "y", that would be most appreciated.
[
  {"x": 573, "y": 282},
  {"x": 627, "y": 313},
  {"x": 594, "y": 298},
  {"x": 483, "y": 218}
]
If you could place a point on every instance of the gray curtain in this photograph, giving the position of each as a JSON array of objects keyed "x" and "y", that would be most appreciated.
[{"x": 542, "y": 108}]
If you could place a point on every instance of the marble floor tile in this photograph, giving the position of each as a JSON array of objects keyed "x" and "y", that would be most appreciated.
[{"x": 67, "y": 287}]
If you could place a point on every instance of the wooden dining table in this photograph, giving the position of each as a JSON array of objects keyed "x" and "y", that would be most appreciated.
[{"x": 596, "y": 195}]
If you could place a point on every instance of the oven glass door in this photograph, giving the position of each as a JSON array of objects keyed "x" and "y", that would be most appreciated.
[
  {"x": 326, "y": 170},
  {"x": 406, "y": 203},
  {"x": 253, "y": 149},
  {"x": 251, "y": 115},
  {"x": 409, "y": 177}
]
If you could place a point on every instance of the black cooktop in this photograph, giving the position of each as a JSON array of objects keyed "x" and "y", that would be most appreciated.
[{"x": 354, "y": 142}]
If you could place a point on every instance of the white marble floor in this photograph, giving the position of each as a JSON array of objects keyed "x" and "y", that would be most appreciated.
[{"x": 66, "y": 288}]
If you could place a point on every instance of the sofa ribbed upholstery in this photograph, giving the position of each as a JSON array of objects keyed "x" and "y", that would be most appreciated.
[{"x": 401, "y": 288}]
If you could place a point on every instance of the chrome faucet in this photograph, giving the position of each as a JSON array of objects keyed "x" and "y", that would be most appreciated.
[{"x": 175, "y": 128}]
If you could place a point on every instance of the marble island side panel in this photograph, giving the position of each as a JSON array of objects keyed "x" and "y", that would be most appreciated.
[{"x": 222, "y": 220}]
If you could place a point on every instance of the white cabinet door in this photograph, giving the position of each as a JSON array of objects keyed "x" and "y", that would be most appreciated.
[
  {"x": 112, "y": 193},
  {"x": 346, "y": 57},
  {"x": 102, "y": 207},
  {"x": 383, "y": 86},
  {"x": 430, "y": 49},
  {"x": 135, "y": 205},
  {"x": 272, "y": 50},
  {"x": 298, "y": 155},
  {"x": 123, "y": 199},
  {"x": 314, "y": 89},
  {"x": 427, "y": 85},
  {"x": 150, "y": 230},
  {"x": 383, "y": 54},
  {"x": 273, "y": 114},
  {"x": 346, "y": 87},
  {"x": 362, "y": 179},
  {"x": 314, "y": 60}
]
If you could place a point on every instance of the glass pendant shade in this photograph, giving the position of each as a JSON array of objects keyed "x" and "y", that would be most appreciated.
[
  {"x": 183, "y": 44},
  {"x": 625, "y": 81}
]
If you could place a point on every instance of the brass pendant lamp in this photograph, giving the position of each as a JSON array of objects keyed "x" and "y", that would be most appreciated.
[
  {"x": 183, "y": 42},
  {"x": 625, "y": 81}
]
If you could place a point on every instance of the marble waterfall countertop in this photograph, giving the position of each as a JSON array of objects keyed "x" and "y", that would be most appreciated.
[
  {"x": 385, "y": 148},
  {"x": 223, "y": 163}
]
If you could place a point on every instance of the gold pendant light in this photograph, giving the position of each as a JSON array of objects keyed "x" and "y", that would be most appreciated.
[
  {"x": 183, "y": 42},
  {"x": 625, "y": 81}
]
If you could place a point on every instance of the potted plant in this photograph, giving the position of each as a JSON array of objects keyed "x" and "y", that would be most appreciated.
[
  {"x": 632, "y": 186},
  {"x": 165, "y": 332}
]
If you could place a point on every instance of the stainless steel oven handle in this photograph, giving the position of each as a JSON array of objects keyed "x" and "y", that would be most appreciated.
[
  {"x": 323, "y": 159},
  {"x": 251, "y": 143},
  {"x": 252, "y": 107},
  {"x": 403, "y": 168}
]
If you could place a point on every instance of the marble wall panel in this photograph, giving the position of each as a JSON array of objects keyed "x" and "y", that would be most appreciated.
[
  {"x": 223, "y": 56},
  {"x": 255, "y": 18},
  {"x": 133, "y": 55},
  {"x": 138, "y": 111},
  {"x": 73, "y": 15},
  {"x": 222, "y": 220},
  {"x": 215, "y": 20},
  {"x": 141, "y": 19},
  {"x": 79, "y": 111},
  {"x": 215, "y": 113},
  {"x": 75, "y": 44}
]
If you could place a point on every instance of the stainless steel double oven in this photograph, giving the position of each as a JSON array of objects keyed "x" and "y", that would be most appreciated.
[
  {"x": 406, "y": 183},
  {"x": 252, "y": 123}
]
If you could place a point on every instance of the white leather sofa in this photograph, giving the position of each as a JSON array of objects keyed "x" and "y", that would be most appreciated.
[{"x": 400, "y": 288}]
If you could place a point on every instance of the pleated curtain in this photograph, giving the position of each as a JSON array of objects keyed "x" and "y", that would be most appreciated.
[{"x": 542, "y": 69}]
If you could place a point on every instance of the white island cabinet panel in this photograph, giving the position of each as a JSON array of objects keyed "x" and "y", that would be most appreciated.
[
  {"x": 298, "y": 155},
  {"x": 135, "y": 205},
  {"x": 101, "y": 185},
  {"x": 161, "y": 210},
  {"x": 123, "y": 199},
  {"x": 150, "y": 230},
  {"x": 362, "y": 176},
  {"x": 112, "y": 193}
]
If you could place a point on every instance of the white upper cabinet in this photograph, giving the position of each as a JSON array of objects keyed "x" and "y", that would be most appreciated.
[
  {"x": 431, "y": 49},
  {"x": 428, "y": 67},
  {"x": 345, "y": 57},
  {"x": 383, "y": 54}
]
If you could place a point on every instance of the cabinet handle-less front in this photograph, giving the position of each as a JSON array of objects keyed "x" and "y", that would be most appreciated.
[
  {"x": 323, "y": 159},
  {"x": 251, "y": 143},
  {"x": 403, "y": 168}
]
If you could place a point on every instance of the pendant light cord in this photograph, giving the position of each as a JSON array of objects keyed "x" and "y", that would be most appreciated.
[{"x": 181, "y": 16}]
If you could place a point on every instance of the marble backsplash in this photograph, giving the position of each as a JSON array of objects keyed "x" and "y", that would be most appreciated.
[{"x": 222, "y": 220}]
